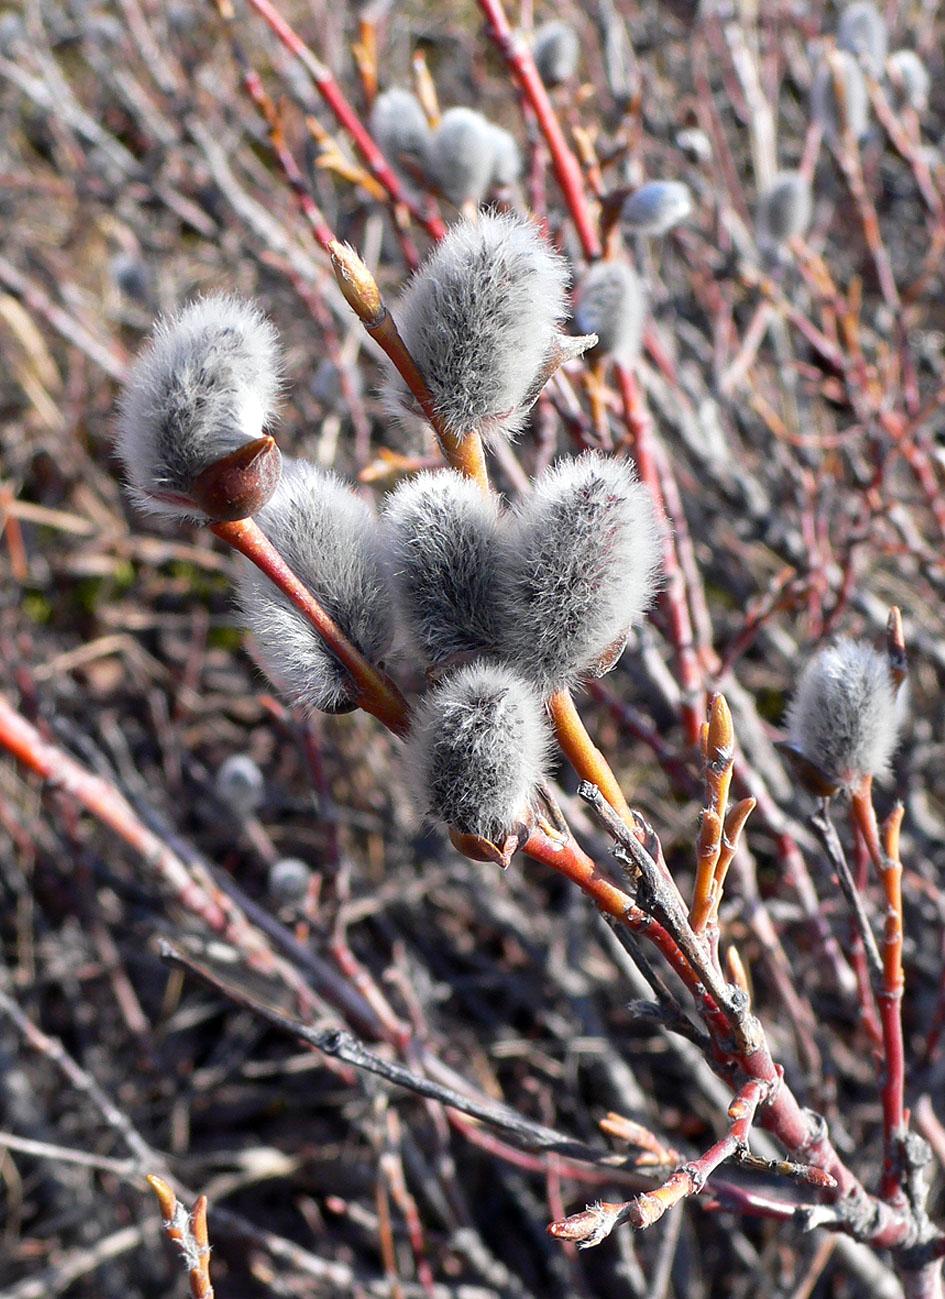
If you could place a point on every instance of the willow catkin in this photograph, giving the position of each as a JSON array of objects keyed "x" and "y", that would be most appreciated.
[
  {"x": 439, "y": 532},
  {"x": 476, "y": 752},
  {"x": 580, "y": 563},
  {"x": 328, "y": 537},
  {"x": 481, "y": 318},
  {"x": 203, "y": 386},
  {"x": 845, "y": 716}
]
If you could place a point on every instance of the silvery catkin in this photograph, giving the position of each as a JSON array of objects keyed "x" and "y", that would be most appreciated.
[
  {"x": 784, "y": 209},
  {"x": 439, "y": 538},
  {"x": 481, "y": 319},
  {"x": 476, "y": 751},
  {"x": 461, "y": 156},
  {"x": 580, "y": 564},
  {"x": 611, "y": 302},
  {"x": 400, "y": 127},
  {"x": 204, "y": 385},
  {"x": 824, "y": 107},
  {"x": 328, "y": 537},
  {"x": 845, "y": 715}
]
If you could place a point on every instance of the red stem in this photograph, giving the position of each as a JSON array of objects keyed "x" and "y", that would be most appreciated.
[
  {"x": 347, "y": 117},
  {"x": 377, "y": 693},
  {"x": 646, "y": 455},
  {"x": 566, "y": 167}
]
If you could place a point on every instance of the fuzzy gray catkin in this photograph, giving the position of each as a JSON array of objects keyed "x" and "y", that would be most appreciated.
[
  {"x": 909, "y": 79},
  {"x": 611, "y": 302},
  {"x": 823, "y": 97},
  {"x": 846, "y": 713},
  {"x": 476, "y": 752},
  {"x": 506, "y": 159},
  {"x": 862, "y": 31},
  {"x": 328, "y": 537},
  {"x": 784, "y": 209},
  {"x": 400, "y": 127},
  {"x": 555, "y": 49},
  {"x": 438, "y": 531},
  {"x": 205, "y": 384},
  {"x": 240, "y": 784},
  {"x": 481, "y": 319},
  {"x": 580, "y": 560},
  {"x": 656, "y": 207},
  {"x": 461, "y": 156}
]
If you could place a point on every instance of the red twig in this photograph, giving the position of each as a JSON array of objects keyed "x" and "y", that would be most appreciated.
[
  {"x": 566, "y": 167},
  {"x": 347, "y": 117},
  {"x": 377, "y": 693}
]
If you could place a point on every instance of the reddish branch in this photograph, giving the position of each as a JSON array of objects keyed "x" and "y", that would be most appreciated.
[
  {"x": 347, "y": 117},
  {"x": 377, "y": 693},
  {"x": 566, "y": 167}
]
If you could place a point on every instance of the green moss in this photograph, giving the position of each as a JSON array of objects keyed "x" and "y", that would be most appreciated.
[{"x": 37, "y": 608}]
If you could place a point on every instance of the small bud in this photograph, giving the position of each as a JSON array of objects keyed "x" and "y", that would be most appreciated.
[
  {"x": 240, "y": 484},
  {"x": 843, "y": 722},
  {"x": 481, "y": 319},
  {"x": 462, "y": 156},
  {"x": 203, "y": 388},
  {"x": 611, "y": 302},
  {"x": 862, "y": 31},
  {"x": 328, "y": 537},
  {"x": 909, "y": 79},
  {"x": 580, "y": 563},
  {"x": 656, "y": 207},
  {"x": 784, "y": 210},
  {"x": 476, "y": 752},
  {"x": 358, "y": 286},
  {"x": 288, "y": 881},
  {"x": 400, "y": 127},
  {"x": 240, "y": 784},
  {"x": 840, "y": 67},
  {"x": 506, "y": 159},
  {"x": 439, "y": 534},
  {"x": 555, "y": 49}
]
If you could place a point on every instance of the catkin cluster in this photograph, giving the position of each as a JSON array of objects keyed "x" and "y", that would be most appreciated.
[
  {"x": 504, "y": 606},
  {"x": 465, "y": 156}
]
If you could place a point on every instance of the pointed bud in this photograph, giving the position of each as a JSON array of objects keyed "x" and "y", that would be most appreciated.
[
  {"x": 611, "y": 302},
  {"x": 580, "y": 563},
  {"x": 556, "y": 49},
  {"x": 357, "y": 284},
  {"x": 200, "y": 393},
  {"x": 476, "y": 752},
  {"x": 439, "y": 535},
  {"x": 843, "y": 722},
  {"x": 328, "y": 537},
  {"x": 656, "y": 207},
  {"x": 480, "y": 318}
]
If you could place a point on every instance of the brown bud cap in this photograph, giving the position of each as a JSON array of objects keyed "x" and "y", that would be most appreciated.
[
  {"x": 239, "y": 485},
  {"x": 896, "y": 647},
  {"x": 478, "y": 849},
  {"x": 610, "y": 657},
  {"x": 808, "y": 774},
  {"x": 357, "y": 284}
]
